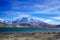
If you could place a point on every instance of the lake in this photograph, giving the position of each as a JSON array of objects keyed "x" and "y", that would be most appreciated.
[{"x": 28, "y": 30}]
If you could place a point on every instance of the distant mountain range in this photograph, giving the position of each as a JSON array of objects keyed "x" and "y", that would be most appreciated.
[
  {"x": 26, "y": 22},
  {"x": 57, "y": 26}
]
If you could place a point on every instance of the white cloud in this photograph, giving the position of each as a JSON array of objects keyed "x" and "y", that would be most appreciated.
[
  {"x": 47, "y": 10},
  {"x": 51, "y": 8},
  {"x": 55, "y": 23},
  {"x": 56, "y": 18},
  {"x": 49, "y": 21},
  {"x": 1, "y": 19},
  {"x": 44, "y": 20}
]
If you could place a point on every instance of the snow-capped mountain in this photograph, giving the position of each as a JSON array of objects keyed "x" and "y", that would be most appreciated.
[
  {"x": 26, "y": 21},
  {"x": 30, "y": 21}
]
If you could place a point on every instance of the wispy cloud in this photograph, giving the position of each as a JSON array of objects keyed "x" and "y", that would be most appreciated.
[
  {"x": 37, "y": 7},
  {"x": 32, "y": 7},
  {"x": 52, "y": 8},
  {"x": 56, "y": 18},
  {"x": 49, "y": 21}
]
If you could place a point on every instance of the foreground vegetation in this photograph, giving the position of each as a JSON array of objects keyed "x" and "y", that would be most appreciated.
[{"x": 30, "y": 37}]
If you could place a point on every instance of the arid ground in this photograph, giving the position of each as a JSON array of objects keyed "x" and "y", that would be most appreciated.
[{"x": 30, "y": 37}]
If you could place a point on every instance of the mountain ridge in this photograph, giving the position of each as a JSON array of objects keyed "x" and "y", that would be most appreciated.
[{"x": 27, "y": 21}]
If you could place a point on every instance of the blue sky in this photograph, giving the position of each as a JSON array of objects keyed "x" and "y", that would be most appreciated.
[{"x": 45, "y": 10}]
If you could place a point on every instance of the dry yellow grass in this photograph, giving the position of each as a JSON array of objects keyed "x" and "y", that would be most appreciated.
[
  {"x": 28, "y": 35},
  {"x": 31, "y": 36}
]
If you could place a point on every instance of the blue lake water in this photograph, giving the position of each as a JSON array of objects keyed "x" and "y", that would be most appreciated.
[{"x": 28, "y": 30}]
